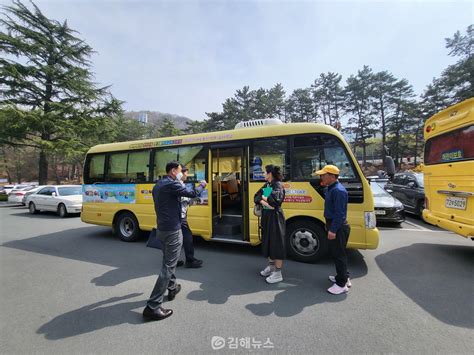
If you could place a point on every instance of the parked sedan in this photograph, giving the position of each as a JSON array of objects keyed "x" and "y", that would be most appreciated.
[
  {"x": 62, "y": 199},
  {"x": 24, "y": 200},
  {"x": 408, "y": 188},
  {"x": 387, "y": 208},
  {"x": 16, "y": 195},
  {"x": 8, "y": 188}
]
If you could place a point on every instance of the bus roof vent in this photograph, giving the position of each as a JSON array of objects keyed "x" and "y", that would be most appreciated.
[{"x": 258, "y": 123}]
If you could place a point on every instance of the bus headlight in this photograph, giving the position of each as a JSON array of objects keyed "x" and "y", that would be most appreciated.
[{"x": 370, "y": 221}]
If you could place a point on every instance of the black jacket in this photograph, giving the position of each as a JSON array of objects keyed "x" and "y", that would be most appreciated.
[{"x": 167, "y": 195}]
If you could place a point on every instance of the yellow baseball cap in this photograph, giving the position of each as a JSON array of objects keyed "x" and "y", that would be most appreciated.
[{"x": 328, "y": 169}]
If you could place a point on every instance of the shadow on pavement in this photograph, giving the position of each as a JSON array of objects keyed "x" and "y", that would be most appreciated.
[
  {"x": 229, "y": 270},
  {"x": 436, "y": 277},
  {"x": 93, "y": 317},
  {"x": 44, "y": 215}
]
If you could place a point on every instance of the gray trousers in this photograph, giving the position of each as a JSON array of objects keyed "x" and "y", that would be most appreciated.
[{"x": 172, "y": 242}]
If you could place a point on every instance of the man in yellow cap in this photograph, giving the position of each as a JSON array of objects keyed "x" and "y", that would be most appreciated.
[{"x": 335, "y": 212}]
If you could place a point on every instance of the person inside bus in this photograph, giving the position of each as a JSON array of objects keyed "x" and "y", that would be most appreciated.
[
  {"x": 335, "y": 212},
  {"x": 191, "y": 261},
  {"x": 271, "y": 197},
  {"x": 167, "y": 194}
]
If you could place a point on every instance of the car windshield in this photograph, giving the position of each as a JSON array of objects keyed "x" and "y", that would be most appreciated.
[
  {"x": 69, "y": 191},
  {"x": 419, "y": 180},
  {"x": 29, "y": 188},
  {"x": 377, "y": 190}
]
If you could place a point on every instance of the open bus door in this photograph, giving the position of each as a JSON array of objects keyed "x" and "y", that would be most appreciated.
[{"x": 230, "y": 200}]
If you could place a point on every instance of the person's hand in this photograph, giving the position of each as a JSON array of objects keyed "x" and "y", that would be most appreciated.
[
  {"x": 265, "y": 198},
  {"x": 265, "y": 203},
  {"x": 203, "y": 183},
  {"x": 331, "y": 235}
]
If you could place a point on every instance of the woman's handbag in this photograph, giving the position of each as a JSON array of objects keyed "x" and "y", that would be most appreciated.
[{"x": 257, "y": 210}]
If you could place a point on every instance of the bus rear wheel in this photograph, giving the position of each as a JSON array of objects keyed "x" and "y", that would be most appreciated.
[
  {"x": 126, "y": 227},
  {"x": 306, "y": 241}
]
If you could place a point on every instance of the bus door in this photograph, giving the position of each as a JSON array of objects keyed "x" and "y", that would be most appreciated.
[{"x": 229, "y": 179}]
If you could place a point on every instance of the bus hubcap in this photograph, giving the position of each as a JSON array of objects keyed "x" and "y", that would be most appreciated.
[
  {"x": 127, "y": 227},
  {"x": 304, "y": 242}
]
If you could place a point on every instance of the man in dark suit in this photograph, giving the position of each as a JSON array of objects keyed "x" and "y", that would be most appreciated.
[{"x": 167, "y": 195}]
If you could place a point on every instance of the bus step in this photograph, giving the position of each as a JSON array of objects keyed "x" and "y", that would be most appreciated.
[
  {"x": 227, "y": 229},
  {"x": 236, "y": 239}
]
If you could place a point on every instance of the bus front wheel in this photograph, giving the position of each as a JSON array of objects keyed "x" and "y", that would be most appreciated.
[
  {"x": 126, "y": 227},
  {"x": 306, "y": 241}
]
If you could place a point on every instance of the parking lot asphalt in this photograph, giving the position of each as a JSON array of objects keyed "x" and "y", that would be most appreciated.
[{"x": 69, "y": 287}]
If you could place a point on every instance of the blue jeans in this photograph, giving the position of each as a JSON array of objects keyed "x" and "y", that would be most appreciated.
[{"x": 172, "y": 242}]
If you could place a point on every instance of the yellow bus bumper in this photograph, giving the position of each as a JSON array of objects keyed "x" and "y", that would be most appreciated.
[
  {"x": 463, "y": 229},
  {"x": 372, "y": 238}
]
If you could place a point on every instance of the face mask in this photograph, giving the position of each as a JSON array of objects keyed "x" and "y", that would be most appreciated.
[{"x": 179, "y": 176}]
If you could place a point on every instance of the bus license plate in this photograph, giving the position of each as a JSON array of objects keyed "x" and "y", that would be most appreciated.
[{"x": 456, "y": 202}]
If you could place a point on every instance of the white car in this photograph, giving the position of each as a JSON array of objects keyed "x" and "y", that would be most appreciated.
[
  {"x": 62, "y": 199},
  {"x": 8, "y": 188},
  {"x": 27, "y": 194},
  {"x": 16, "y": 195}
]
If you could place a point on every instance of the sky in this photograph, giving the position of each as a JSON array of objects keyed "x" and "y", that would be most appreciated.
[{"x": 187, "y": 57}]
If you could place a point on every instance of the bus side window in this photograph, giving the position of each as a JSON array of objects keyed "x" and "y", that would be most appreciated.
[
  {"x": 313, "y": 152},
  {"x": 307, "y": 156},
  {"x": 194, "y": 157},
  {"x": 117, "y": 168},
  {"x": 137, "y": 168},
  {"x": 94, "y": 170},
  {"x": 128, "y": 167},
  {"x": 266, "y": 152}
]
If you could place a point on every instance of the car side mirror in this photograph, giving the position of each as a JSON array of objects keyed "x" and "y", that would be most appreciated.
[
  {"x": 411, "y": 185},
  {"x": 54, "y": 194}
]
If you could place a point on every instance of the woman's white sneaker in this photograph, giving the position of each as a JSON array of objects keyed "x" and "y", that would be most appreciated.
[
  {"x": 266, "y": 272},
  {"x": 337, "y": 290},
  {"x": 333, "y": 279},
  {"x": 274, "y": 277}
]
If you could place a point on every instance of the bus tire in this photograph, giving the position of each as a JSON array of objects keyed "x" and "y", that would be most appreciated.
[
  {"x": 306, "y": 241},
  {"x": 420, "y": 206},
  {"x": 126, "y": 227}
]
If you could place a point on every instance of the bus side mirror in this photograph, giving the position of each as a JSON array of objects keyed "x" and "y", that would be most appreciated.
[{"x": 389, "y": 165}]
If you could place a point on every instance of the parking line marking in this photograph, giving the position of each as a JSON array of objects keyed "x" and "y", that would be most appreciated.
[
  {"x": 416, "y": 225},
  {"x": 412, "y": 230}
]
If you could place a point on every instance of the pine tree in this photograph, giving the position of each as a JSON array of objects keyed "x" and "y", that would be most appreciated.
[
  {"x": 403, "y": 118},
  {"x": 300, "y": 107},
  {"x": 358, "y": 104},
  {"x": 276, "y": 101},
  {"x": 328, "y": 98},
  {"x": 383, "y": 91},
  {"x": 46, "y": 84}
]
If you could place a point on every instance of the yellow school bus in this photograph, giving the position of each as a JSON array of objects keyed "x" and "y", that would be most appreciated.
[
  {"x": 449, "y": 169},
  {"x": 119, "y": 177}
]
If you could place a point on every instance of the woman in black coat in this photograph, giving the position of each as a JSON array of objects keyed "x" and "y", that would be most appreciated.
[{"x": 273, "y": 223}]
